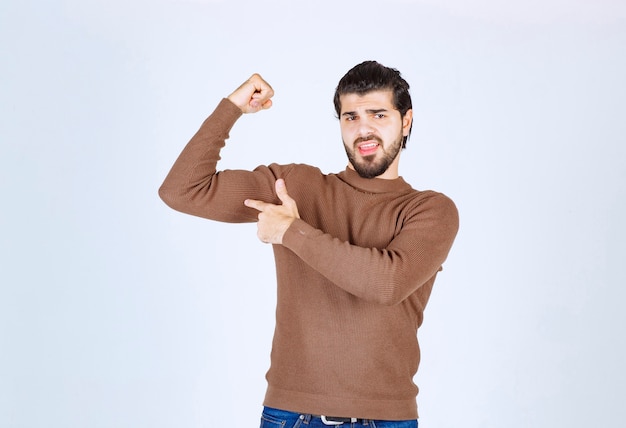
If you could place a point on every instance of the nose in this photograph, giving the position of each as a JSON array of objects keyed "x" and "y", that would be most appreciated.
[{"x": 365, "y": 126}]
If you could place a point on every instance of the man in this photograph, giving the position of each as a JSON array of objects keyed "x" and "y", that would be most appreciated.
[{"x": 356, "y": 253}]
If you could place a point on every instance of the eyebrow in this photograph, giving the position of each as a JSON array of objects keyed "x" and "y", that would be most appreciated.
[{"x": 368, "y": 111}]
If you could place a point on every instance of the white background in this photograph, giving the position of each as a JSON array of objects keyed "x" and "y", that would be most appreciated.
[{"x": 116, "y": 311}]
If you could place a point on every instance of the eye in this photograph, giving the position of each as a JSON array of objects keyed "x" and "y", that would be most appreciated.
[
  {"x": 379, "y": 116},
  {"x": 350, "y": 118}
]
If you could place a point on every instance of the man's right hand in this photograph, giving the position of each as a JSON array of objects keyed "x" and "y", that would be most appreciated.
[{"x": 253, "y": 95}]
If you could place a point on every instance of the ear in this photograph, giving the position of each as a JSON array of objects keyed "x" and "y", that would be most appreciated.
[{"x": 407, "y": 120}]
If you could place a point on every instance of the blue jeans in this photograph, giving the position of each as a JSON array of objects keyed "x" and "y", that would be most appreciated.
[{"x": 274, "y": 418}]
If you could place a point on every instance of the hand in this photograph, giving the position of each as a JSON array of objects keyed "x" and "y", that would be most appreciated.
[
  {"x": 253, "y": 95},
  {"x": 274, "y": 220}
]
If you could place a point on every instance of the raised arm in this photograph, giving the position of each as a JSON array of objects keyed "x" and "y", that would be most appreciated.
[{"x": 194, "y": 186}]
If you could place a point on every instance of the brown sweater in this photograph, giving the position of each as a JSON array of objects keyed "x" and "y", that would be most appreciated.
[{"x": 353, "y": 274}]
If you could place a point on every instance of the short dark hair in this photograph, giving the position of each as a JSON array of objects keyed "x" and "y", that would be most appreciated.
[{"x": 371, "y": 76}]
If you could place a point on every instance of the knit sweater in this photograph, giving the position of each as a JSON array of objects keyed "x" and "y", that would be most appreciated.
[{"x": 354, "y": 273}]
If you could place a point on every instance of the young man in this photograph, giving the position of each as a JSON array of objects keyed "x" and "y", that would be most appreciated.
[{"x": 356, "y": 253}]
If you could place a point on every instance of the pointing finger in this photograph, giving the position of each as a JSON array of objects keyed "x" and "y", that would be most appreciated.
[{"x": 257, "y": 205}]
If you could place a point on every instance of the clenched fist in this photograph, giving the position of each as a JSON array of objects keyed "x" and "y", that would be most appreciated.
[{"x": 253, "y": 95}]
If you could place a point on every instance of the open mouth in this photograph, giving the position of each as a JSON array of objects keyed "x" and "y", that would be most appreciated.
[{"x": 368, "y": 148}]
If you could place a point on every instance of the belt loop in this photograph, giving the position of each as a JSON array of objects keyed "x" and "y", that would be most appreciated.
[{"x": 306, "y": 419}]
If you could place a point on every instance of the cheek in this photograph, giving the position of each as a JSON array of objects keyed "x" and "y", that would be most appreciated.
[
  {"x": 399, "y": 129},
  {"x": 391, "y": 133},
  {"x": 346, "y": 135}
]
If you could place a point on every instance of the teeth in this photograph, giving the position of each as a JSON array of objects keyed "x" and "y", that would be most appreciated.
[{"x": 369, "y": 146}]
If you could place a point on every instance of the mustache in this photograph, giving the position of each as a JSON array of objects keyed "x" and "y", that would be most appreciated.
[{"x": 368, "y": 138}]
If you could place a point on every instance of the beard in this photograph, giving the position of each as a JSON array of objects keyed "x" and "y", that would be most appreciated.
[{"x": 373, "y": 166}]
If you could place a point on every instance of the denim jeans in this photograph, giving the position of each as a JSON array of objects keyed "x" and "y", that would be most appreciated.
[{"x": 274, "y": 418}]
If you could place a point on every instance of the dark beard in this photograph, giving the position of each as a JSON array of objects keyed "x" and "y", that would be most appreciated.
[{"x": 370, "y": 168}]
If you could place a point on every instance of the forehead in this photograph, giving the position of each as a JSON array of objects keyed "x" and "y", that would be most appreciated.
[{"x": 380, "y": 99}]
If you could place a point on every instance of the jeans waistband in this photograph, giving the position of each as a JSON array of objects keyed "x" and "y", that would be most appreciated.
[
  {"x": 285, "y": 418},
  {"x": 308, "y": 419}
]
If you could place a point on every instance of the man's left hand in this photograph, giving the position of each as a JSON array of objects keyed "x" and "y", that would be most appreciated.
[{"x": 274, "y": 220}]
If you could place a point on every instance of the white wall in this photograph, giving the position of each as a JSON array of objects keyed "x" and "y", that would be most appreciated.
[{"x": 116, "y": 311}]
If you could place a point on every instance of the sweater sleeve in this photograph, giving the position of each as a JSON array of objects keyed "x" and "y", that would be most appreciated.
[
  {"x": 388, "y": 275},
  {"x": 194, "y": 186}
]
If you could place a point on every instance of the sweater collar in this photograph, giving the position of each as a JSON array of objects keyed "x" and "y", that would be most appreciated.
[{"x": 373, "y": 185}]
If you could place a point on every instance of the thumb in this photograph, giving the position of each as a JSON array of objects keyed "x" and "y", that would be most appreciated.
[
  {"x": 289, "y": 206},
  {"x": 281, "y": 191},
  {"x": 258, "y": 103}
]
